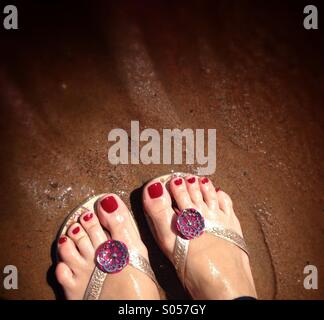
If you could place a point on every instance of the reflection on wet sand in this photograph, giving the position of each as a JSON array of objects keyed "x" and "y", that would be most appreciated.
[{"x": 67, "y": 80}]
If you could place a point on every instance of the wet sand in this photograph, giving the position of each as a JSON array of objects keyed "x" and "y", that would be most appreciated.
[{"x": 249, "y": 70}]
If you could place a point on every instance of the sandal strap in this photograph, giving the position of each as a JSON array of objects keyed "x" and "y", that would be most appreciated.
[
  {"x": 142, "y": 264},
  {"x": 180, "y": 256},
  {"x": 229, "y": 235},
  {"x": 182, "y": 245},
  {"x": 95, "y": 285},
  {"x": 98, "y": 277}
]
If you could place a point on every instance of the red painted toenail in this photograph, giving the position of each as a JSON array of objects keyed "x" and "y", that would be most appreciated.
[
  {"x": 217, "y": 189},
  {"x": 155, "y": 190},
  {"x": 88, "y": 217},
  {"x": 109, "y": 204},
  {"x": 62, "y": 240},
  {"x": 76, "y": 230},
  {"x": 192, "y": 180},
  {"x": 204, "y": 180},
  {"x": 178, "y": 182}
]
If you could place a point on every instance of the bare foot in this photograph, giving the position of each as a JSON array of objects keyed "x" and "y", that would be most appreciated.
[
  {"x": 77, "y": 253},
  {"x": 215, "y": 268}
]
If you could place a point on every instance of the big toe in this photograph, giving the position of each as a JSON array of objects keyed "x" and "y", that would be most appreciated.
[
  {"x": 114, "y": 215},
  {"x": 158, "y": 207}
]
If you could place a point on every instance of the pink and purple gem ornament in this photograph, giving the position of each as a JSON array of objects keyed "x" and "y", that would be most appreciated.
[
  {"x": 190, "y": 223},
  {"x": 112, "y": 256}
]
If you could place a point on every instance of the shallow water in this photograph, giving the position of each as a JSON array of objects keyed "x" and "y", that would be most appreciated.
[{"x": 67, "y": 80}]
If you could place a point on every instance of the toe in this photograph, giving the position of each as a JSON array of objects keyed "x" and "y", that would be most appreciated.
[
  {"x": 81, "y": 240},
  {"x": 116, "y": 218},
  {"x": 64, "y": 275},
  {"x": 91, "y": 225},
  {"x": 180, "y": 193},
  {"x": 158, "y": 206},
  {"x": 209, "y": 193},
  {"x": 194, "y": 191},
  {"x": 225, "y": 202},
  {"x": 69, "y": 253}
]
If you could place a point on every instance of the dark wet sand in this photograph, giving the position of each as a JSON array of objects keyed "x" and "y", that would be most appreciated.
[{"x": 249, "y": 70}]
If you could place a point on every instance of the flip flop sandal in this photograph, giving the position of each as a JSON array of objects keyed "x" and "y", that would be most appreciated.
[
  {"x": 190, "y": 224},
  {"x": 111, "y": 257}
]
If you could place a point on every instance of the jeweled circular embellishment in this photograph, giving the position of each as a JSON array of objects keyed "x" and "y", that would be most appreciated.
[
  {"x": 190, "y": 223},
  {"x": 112, "y": 256}
]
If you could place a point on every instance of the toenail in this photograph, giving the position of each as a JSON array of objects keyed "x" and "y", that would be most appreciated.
[
  {"x": 178, "y": 182},
  {"x": 204, "y": 180},
  {"x": 155, "y": 190},
  {"x": 76, "y": 230},
  {"x": 109, "y": 204},
  {"x": 217, "y": 189},
  {"x": 62, "y": 240},
  {"x": 88, "y": 217},
  {"x": 192, "y": 180}
]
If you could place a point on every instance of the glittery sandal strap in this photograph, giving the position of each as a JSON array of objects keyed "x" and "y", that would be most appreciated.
[
  {"x": 180, "y": 257},
  {"x": 228, "y": 235}
]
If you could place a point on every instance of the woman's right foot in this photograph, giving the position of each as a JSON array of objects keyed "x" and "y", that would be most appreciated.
[
  {"x": 77, "y": 252},
  {"x": 215, "y": 268}
]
